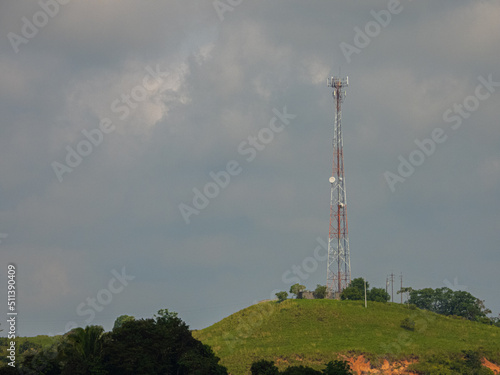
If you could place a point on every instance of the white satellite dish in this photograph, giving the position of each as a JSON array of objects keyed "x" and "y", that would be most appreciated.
[{"x": 332, "y": 180}]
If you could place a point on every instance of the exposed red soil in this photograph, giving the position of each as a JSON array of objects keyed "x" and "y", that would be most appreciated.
[
  {"x": 362, "y": 366},
  {"x": 493, "y": 367}
]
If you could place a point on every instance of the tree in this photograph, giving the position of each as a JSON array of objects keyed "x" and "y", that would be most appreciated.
[
  {"x": 166, "y": 315},
  {"x": 405, "y": 290},
  {"x": 441, "y": 301},
  {"x": 338, "y": 368},
  {"x": 408, "y": 324},
  {"x": 44, "y": 362},
  {"x": 8, "y": 370},
  {"x": 378, "y": 295},
  {"x": 281, "y": 296},
  {"x": 300, "y": 370},
  {"x": 448, "y": 302},
  {"x": 82, "y": 351},
  {"x": 264, "y": 367},
  {"x": 352, "y": 294},
  {"x": 467, "y": 363},
  {"x": 495, "y": 321},
  {"x": 320, "y": 291},
  {"x": 163, "y": 345},
  {"x": 122, "y": 319},
  {"x": 296, "y": 289},
  {"x": 472, "y": 359},
  {"x": 466, "y": 305},
  {"x": 359, "y": 283},
  {"x": 423, "y": 298},
  {"x": 28, "y": 345}
]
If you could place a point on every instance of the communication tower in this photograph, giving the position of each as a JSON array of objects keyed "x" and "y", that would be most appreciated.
[{"x": 339, "y": 263}]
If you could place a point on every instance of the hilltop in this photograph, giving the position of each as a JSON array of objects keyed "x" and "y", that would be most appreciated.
[{"x": 313, "y": 332}]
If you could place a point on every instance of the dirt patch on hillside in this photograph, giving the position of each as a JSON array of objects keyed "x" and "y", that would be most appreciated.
[
  {"x": 493, "y": 367},
  {"x": 362, "y": 366}
]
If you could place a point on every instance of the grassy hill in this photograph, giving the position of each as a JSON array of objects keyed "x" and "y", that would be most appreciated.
[{"x": 313, "y": 332}]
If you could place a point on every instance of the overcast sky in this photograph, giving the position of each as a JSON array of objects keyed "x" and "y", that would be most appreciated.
[{"x": 115, "y": 114}]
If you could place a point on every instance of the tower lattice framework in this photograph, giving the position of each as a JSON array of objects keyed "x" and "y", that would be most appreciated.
[{"x": 339, "y": 264}]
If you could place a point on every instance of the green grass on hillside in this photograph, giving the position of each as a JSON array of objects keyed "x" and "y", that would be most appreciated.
[
  {"x": 313, "y": 332},
  {"x": 43, "y": 341}
]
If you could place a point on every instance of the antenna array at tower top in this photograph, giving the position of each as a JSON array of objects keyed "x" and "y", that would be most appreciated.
[{"x": 337, "y": 82}]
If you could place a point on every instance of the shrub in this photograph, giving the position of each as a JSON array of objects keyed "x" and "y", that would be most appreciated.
[
  {"x": 467, "y": 363},
  {"x": 320, "y": 291},
  {"x": 338, "y": 368},
  {"x": 264, "y": 367},
  {"x": 281, "y": 296},
  {"x": 300, "y": 370},
  {"x": 408, "y": 324},
  {"x": 352, "y": 294}
]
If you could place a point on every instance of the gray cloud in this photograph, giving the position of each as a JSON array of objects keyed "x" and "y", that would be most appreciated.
[{"x": 120, "y": 205}]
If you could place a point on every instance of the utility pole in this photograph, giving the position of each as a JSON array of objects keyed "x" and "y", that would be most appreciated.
[
  {"x": 401, "y": 290},
  {"x": 338, "y": 274},
  {"x": 392, "y": 286},
  {"x": 365, "y": 293}
]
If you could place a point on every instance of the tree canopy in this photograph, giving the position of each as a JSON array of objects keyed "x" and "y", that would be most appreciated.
[
  {"x": 378, "y": 295},
  {"x": 320, "y": 291},
  {"x": 352, "y": 294},
  {"x": 282, "y": 296},
  {"x": 122, "y": 319},
  {"x": 336, "y": 367},
  {"x": 162, "y": 345},
  {"x": 359, "y": 283},
  {"x": 448, "y": 302},
  {"x": 356, "y": 291},
  {"x": 296, "y": 289}
]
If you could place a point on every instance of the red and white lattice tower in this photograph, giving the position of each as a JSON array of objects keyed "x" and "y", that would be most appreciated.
[{"x": 339, "y": 264}]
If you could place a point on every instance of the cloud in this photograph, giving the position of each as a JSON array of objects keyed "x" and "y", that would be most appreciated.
[{"x": 120, "y": 205}]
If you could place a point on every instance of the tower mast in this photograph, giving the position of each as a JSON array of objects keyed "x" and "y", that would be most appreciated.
[{"x": 339, "y": 264}]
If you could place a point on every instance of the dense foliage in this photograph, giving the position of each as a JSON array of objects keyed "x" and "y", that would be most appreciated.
[
  {"x": 466, "y": 363},
  {"x": 336, "y": 367},
  {"x": 296, "y": 289},
  {"x": 158, "y": 346},
  {"x": 282, "y": 296},
  {"x": 163, "y": 345},
  {"x": 448, "y": 302},
  {"x": 356, "y": 291},
  {"x": 320, "y": 291}
]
